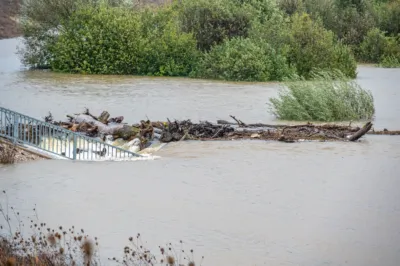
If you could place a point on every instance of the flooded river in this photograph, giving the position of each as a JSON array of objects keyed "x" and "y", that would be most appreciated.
[{"x": 236, "y": 203}]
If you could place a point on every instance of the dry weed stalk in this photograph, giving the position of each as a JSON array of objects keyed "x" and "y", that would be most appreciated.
[
  {"x": 7, "y": 154},
  {"x": 46, "y": 247}
]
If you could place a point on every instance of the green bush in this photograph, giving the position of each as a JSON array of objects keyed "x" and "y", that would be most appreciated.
[
  {"x": 390, "y": 62},
  {"x": 311, "y": 46},
  {"x": 118, "y": 41},
  {"x": 350, "y": 20},
  {"x": 213, "y": 21},
  {"x": 326, "y": 97},
  {"x": 374, "y": 45},
  {"x": 40, "y": 21},
  {"x": 377, "y": 46},
  {"x": 98, "y": 41},
  {"x": 291, "y": 6},
  {"x": 388, "y": 16},
  {"x": 166, "y": 51},
  {"x": 262, "y": 11},
  {"x": 243, "y": 59}
]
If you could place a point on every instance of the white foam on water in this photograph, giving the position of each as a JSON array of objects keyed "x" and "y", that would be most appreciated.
[{"x": 89, "y": 151}]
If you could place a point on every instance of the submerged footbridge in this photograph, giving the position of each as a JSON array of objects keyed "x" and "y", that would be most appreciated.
[{"x": 56, "y": 141}]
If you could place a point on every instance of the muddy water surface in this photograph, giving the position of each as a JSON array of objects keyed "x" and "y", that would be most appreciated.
[{"x": 237, "y": 203}]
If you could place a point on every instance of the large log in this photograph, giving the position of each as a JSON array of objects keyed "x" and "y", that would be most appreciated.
[
  {"x": 116, "y": 130},
  {"x": 361, "y": 132}
]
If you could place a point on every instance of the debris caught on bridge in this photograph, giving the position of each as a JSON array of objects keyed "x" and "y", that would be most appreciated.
[{"x": 116, "y": 132}]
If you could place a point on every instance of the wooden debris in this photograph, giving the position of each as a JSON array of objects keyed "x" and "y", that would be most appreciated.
[{"x": 171, "y": 131}]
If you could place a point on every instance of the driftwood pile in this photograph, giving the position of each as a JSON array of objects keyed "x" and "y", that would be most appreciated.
[{"x": 169, "y": 131}]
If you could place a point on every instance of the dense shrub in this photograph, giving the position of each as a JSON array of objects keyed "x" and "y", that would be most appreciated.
[
  {"x": 40, "y": 21},
  {"x": 224, "y": 39},
  {"x": 166, "y": 51},
  {"x": 350, "y": 20},
  {"x": 291, "y": 6},
  {"x": 311, "y": 46},
  {"x": 117, "y": 41},
  {"x": 98, "y": 41},
  {"x": 323, "y": 99},
  {"x": 242, "y": 59},
  {"x": 388, "y": 16},
  {"x": 373, "y": 46},
  {"x": 390, "y": 62},
  {"x": 262, "y": 11},
  {"x": 377, "y": 46},
  {"x": 213, "y": 21}
]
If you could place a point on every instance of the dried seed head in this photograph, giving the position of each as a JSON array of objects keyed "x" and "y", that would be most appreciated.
[
  {"x": 170, "y": 260},
  {"x": 11, "y": 261},
  {"x": 191, "y": 263},
  {"x": 51, "y": 239},
  {"x": 61, "y": 251},
  {"x": 87, "y": 249}
]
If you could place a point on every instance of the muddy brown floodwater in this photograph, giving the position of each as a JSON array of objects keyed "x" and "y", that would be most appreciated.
[{"x": 236, "y": 203}]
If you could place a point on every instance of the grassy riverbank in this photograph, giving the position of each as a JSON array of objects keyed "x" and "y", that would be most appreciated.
[
  {"x": 247, "y": 40},
  {"x": 10, "y": 153}
]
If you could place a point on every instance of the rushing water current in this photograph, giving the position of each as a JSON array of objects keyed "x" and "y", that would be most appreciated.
[{"x": 236, "y": 203}]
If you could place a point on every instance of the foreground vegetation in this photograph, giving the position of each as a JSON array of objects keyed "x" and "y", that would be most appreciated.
[
  {"x": 45, "y": 246},
  {"x": 250, "y": 40},
  {"x": 326, "y": 97}
]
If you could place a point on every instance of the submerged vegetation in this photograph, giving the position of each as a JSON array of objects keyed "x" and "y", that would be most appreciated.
[
  {"x": 41, "y": 245},
  {"x": 247, "y": 40}
]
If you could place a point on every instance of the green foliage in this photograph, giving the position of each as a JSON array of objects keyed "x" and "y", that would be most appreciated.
[
  {"x": 350, "y": 20},
  {"x": 118, "y": 41},
  {"x": 327, "y": 97},
  {"x": 243, "y": 59},
  {"x": 252, "y": 40},
  {"x": 166, "y": 51},
  {"x": 311, "y": 46},
  {"x": 213, "y": 21},
  {"x": 35, "y": 51},
  {"x": 388, "y": 16},
  {"x": 262, "y": 11},
  {"x": 291, "y": 6},
  {"x": 39, "y": 21},
  {"x": 390, "y": 62},
  {"x": 97, "y": 41},
  {"x": 373, "y": 46},
  {"x": 377, "y": 46}
]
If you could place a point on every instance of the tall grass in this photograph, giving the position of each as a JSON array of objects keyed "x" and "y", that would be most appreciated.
[{"x": 326, "y": 97}]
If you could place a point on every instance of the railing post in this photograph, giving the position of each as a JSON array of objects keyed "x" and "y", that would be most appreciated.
[
  {"x": 16, "y": 129},
  {"x": 74, "y": 147}
]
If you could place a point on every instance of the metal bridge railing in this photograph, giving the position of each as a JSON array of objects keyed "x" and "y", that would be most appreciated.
[{"x": 22, "y": 129}]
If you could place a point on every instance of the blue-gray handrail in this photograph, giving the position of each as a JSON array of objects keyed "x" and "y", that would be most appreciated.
[{"x": 22, "y": 129}]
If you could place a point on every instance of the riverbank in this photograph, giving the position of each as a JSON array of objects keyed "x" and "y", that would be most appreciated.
[
  {"x": 10, "y": 153},
  {"x": 9, "y": 10}
]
